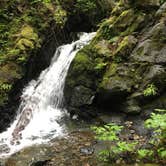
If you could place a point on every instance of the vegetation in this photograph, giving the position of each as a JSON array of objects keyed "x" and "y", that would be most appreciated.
[
  {"x": 117, "y": 147},
  {"x": 151, "y": 90}
]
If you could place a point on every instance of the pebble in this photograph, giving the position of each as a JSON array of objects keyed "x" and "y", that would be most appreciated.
[
  {"x": 136, "y": 137},
  {"x": 87, "y": 150},
  {"x": 132, "y": 131}
]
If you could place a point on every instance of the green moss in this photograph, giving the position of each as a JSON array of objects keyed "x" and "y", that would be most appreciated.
[
  {"x": 125, "y": 46},
  {"x": 134, "y": 26},
  {"x": 102, "y": 49},
  {"x": 27, "y": 32},
  {"x": 60, "y": 16},
  {"x": 106, "y": 31},
  {"x": 111, "y": 71},
  {"x": 82, "y": 62},
  {"x": 24, "y": 44}
]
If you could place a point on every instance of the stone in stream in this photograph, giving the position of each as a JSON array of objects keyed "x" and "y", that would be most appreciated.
[
  {"x": 23, "y": 121},
  {"x": 87, "y": 150},
  {"x": 4, "y": 149}
]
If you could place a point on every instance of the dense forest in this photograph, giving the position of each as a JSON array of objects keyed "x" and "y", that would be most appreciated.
[{"x": 94, "y": 71}]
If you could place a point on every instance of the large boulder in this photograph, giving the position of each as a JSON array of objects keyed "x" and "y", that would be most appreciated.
[{"x": 126, "y": 63}]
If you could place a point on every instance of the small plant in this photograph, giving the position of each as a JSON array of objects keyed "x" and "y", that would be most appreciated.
[
  {"x": 157, "y": 122},
  {"x": 5, "y": 87},
  {"x": 116, "y": 146},
  {"x": 145, "y": 153},
  {"x": 108, "y": 132},
  {"x": 100, "y": 66},
  {"x": 60, "y": 16},
  {"x": 151, "y": 90},
  {"x": 117, "y": 59},
  {"x": 86, "y": 5}
]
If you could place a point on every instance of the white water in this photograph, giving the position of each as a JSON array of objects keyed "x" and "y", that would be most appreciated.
[{"x": 41, "y": 107}]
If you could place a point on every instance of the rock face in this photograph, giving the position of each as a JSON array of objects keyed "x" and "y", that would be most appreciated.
[{"x": 124, "y": 67}]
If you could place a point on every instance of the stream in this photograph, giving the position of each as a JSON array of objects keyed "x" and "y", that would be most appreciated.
[{"x": 41, "y": 109}]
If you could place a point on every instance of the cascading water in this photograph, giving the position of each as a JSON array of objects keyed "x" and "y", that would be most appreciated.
[{"x": 41, "y": 103}]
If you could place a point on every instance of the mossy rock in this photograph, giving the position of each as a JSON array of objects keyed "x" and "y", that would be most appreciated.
[
  {"x": 28, "y": 33},
  {"x": 126, "y": 46},
  {"x": 126, "y": 23},
  {"x": 24, "y": 44},
  {"x": 81, "y": 69},
  {"x": 148, "y": 3}
]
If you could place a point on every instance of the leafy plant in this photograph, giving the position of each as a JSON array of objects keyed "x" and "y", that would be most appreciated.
[
  {"x": 5, "y": 86},
  {"x": 151, "y": 90},
  {"x": 157, "y": 122},
  {"x": 100, "y": 66},
  {"x": 60, "y": 16},
  {"x": 108, "y": 132},
  {"x": 86, "y": 5},
  {"x": 145, "y": 153},
  {"x": 116, "y": 147}
]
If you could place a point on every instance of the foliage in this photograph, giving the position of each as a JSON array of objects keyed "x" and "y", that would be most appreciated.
[
  {"x": 151, "y": 90},
  {"x": 157, "y": 122},
  {"x": 86, "y": 5},
  {"x": 116, "y": 146},
  {"x": 60, "y": 16},
  {"x": 100, "y": 66},
  {"x": 4, "y": 87},
  {"x": 107, "y": 132},
  {"x": 145, "y": 153}
]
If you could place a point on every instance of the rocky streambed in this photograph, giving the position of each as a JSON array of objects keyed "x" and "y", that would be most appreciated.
[{"x": 79, "y": 147}]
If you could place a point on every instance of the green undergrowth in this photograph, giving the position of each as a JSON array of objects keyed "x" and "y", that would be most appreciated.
[{"x": 153, "y": 150}]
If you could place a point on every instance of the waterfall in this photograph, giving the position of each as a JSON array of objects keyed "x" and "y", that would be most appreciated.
[{"x": 41, "y": 105}]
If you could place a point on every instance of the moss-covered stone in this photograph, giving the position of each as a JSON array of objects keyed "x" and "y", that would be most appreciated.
[
  {"x": 125, "y": 46},
  {"x": 130, "y": 53}
]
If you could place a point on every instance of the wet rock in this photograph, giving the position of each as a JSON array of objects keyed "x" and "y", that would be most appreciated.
[
  {"x": 131, "y": 47},
  {"x": 132, "y": 131},
  {"x": 82, "y": 96},
  {"x": 112, "y": 117},
  {"x": 75, "y": 150},
  {"x": 148, "y": 3},
  {"x": 4, "y": 149},
  {"x": 39, "y": 163},
  {"x": 132, "y": 107},
  {"x": 162, "y": 11},
  {"x": 87, "y": 150},
  {"x": 128, "y": 123},
  {"x": 125, "y": 46},
  {"x": 149, "y": 51},
  {"x": 136, "y": 137}
]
